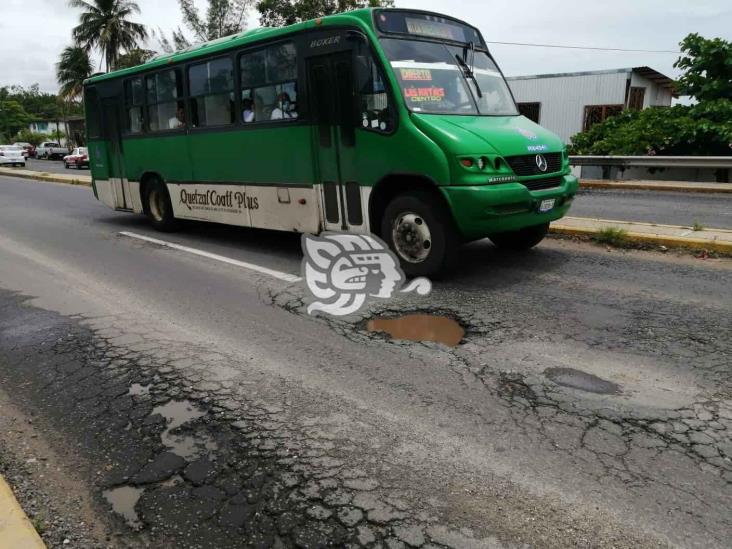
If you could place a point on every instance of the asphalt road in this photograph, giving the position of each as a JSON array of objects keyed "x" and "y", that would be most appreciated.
[
  {"x": 51, "y": 166},
  {"x": 667, "y": 208},
  {"x": 589, "y": 403}
]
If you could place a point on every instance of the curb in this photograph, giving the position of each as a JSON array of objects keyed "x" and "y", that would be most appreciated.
[
  {"x": 645, "y": 238},
  {"x": 45, "y": 176},
  {"x": 16, "y": 530},
  {"x": 724, "y": 188}
]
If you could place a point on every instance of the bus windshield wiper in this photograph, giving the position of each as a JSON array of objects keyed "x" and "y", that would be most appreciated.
[{"x": 469, "y": 71}]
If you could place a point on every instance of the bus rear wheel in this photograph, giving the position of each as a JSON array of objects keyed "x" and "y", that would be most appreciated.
[
  {"x": 420, "y": 230},
  {"x": 158, "y": 206},
  {"x": 520, "y": 240}
]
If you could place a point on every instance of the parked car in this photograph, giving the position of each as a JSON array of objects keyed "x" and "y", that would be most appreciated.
[
  {"x": 29, "y": 151},
  {"x": 11, "y": 155},
  {"x": 51, "y": 150},
  {"x": 79, "y": 158}
]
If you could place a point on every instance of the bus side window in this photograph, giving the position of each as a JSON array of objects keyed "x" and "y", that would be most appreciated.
[
  {"x": 269, "y": 84},
  {"x": 165, "y": 110},
  {"x": 211, "y": 87},
  {"x": 373, "y": 99},
  {"x": 134, "y": 105}
]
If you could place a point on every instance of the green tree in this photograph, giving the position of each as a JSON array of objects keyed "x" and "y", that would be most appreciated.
[
  {"x": 702, "y": 129},
  {"x": 39, "y": 105},
  {"x": 707, "y": 66},
  {"x": 27, "y": 136},
  {"x": 12, "y": 117},
  {"x": 135, "y": 57},
  {"x": 73, "y": 68},
  {"x": 221, "y": 18},
  {"x": 277, "y": 13},
  {"x": 105, "y": 25}
]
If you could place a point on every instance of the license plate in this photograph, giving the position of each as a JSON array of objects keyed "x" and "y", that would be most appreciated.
[{"x": 546, "y": 205}]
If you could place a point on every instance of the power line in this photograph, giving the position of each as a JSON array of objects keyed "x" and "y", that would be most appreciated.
[{"x": 581, "y": 47}]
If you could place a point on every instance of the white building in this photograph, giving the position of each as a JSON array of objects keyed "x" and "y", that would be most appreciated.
[
  {"x": 569, "y": 103},
  {"x": 44, "y": 126}
]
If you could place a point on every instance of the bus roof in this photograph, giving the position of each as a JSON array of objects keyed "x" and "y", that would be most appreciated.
[{"x": 236, "y": 40}]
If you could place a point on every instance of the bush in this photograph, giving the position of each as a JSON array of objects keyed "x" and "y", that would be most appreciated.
[
  {"x": 704, "y": 129},
  {"x": 612, "y": 237},
  {"x": 27, "y": 136}
]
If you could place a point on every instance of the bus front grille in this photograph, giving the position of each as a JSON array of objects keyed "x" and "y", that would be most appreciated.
[
  {"x": 543, "y": 184},
  {"x": 525, "y": 164}
]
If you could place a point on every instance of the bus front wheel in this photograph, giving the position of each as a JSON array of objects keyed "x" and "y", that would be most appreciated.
[
  {"x": 520, "y": 240},
  {"x": 158, "y": 206},
  {"x": 419, "y": 229}
]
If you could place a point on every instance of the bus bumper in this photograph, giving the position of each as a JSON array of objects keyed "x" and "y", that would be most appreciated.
[{"x": 482, "y": 210}]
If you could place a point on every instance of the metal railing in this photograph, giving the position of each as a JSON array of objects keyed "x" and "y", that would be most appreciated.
[{"x": 715, "y": 162}]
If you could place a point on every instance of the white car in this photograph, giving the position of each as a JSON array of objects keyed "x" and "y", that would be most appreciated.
[{"x": 11, "y": 155}]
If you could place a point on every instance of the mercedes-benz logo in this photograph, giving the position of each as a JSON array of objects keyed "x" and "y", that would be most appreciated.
[{"x": 541, "y": 163}]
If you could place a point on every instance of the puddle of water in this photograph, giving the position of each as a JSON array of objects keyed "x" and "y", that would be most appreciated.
[
  {"x": 419, "y": 327},
  {"x": 577, "y": 379},
  {"x": 138, "y": 389},
  {"x": 123, "y": 500},
  {"x": 176, "y": 413}
]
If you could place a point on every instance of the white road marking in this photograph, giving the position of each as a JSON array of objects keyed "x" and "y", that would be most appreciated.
[{"x": 251, "y": 266}]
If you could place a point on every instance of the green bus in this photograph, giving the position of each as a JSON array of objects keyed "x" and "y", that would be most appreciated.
[{"x": 387, "y": 121}]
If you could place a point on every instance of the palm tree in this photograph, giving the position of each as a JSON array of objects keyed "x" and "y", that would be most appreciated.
[
  {"x": 104, "y": 25},
  {"x": 73, "y": 68}
]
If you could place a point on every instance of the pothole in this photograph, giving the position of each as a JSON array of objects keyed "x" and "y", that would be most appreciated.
[
  {"x": 123, "y": 500},
  {"x": 577, "y": 379},
  {"x": 176, "y": 413},
  {"x": 420, "y": 327}
]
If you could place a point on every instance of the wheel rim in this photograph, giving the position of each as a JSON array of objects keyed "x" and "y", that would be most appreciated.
[
  {"x": 411, "y": 236},
  {"x": 157, "y": 205}
]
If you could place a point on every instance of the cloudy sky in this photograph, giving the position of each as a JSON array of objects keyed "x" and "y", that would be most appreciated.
[{"x": 32, "y": 33}]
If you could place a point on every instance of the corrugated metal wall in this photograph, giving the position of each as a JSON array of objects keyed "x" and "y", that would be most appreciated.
[{"x": 563, "y": 98}]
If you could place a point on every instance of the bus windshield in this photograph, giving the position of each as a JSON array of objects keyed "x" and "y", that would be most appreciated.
[{"x": 436, "y": 78}]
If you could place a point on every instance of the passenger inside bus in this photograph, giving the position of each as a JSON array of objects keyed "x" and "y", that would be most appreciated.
[
  {"x": 247, "y": 114},
  {"x": 284, "y": 108},
  {"x": 179, "y": 119}
]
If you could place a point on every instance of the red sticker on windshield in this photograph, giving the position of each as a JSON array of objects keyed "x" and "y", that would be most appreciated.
[
  {"x": 416, "y": 74},
  {"x": 424, "y": 94}
]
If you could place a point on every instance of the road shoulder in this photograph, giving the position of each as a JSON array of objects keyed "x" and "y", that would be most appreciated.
[
  {"x": 16, "y": 529},
  {"x": 59, "y": 509},
  {"x": 77, "y": 179},
  {"x": 672, "y": 236}
]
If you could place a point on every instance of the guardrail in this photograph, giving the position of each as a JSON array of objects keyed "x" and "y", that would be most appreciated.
[{"x": 718, "y": 162}]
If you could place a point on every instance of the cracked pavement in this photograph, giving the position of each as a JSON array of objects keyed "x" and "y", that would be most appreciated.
[{"x": 589, "y": 403}]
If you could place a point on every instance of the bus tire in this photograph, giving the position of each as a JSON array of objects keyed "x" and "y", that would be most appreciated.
[
  {"x": 158, "y": 206},
  {"x": 419, "y": 229},
  {"x": 520, "y": 240}
]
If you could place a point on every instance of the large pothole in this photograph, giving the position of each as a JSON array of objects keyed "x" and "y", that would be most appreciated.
[{"x": 420, "y": 327}]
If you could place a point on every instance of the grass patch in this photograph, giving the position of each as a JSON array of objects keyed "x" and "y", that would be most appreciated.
[
  {"x": 697, "y": 226},
  {"x": 612, "y": 237},
  {"x": 39, "y": 524}
]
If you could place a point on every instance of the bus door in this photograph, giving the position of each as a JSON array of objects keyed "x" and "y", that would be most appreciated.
[
  {"x": 115, "y": 162},
  {"x": 332, "y": 106}
]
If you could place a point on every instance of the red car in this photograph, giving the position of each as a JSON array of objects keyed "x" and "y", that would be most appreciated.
[
  {"x": 79, "y": 158},
  {"x": 29, "y": 151}
]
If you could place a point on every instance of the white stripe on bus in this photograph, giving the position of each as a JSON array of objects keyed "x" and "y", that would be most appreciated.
[{"x": 251, "y": 266}]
